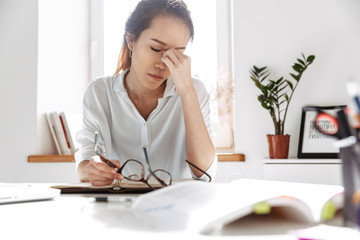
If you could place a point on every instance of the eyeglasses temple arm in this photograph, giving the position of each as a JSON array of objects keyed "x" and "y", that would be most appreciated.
[
  {"x": 151, "y": 172},
  {"x": 199, "y": 170}
]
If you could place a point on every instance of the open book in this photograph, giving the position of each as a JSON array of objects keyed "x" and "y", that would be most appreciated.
[{"x": 200, "y": 206}]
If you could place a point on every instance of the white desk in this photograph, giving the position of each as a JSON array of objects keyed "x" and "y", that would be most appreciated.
[{"x": 77, "y": 216}]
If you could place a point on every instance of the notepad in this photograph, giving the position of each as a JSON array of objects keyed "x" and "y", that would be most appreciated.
[
  {"x": 123, "y": 186},
  {"x": 14, "y": 193}
]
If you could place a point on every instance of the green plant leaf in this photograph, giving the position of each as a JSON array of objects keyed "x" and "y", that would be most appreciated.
[
  {"x": 282, "y": 83},
  {"x": 262, "y": 69},
  {"x": 271, "y": 86},
  {"x": 264, "y": 78},
  {"x": 264, "y": 91},
  {"x": 279, "y": 80},
  {"x": 283, "y": 101},
  {"x": 296, "y": 77},
  {"x": 259, "y": 70},
  {"x": 282, "y": 88},
  {"x": 301, "y": 61},
  {"x": 254, "y": 72},
  {"x": 290, "y": 85},
  {"x": 263, "y": 73},
  {"x": 297, "y": 67},
  {"x": 310, "y": 59}
]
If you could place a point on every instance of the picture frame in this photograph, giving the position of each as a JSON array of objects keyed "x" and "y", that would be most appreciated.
[{"x": 313, "y": 144}]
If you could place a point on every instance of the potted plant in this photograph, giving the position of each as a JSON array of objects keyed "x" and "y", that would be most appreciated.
[{"x": 275, "y": 97}]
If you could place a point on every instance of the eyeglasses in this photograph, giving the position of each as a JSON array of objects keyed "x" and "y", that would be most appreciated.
[{"x": 156, "y": 179}]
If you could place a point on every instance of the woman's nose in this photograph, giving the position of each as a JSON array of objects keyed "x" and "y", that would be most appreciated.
[{"x": 160, "y": 65}]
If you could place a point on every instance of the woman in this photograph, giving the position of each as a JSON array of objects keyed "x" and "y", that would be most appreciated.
[{"x": 151, "y": 102}]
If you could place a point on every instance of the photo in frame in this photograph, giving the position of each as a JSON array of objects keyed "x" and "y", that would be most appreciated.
[{"x": 313, "y": 144}]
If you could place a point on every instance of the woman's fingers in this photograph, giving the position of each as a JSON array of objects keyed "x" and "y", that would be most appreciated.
[
  {"x": 179, "y": 66},
  {"x": 176, "y": 61},
  {"x": 100, "y": 173},
  {"x": 117, "y": 163},
  {"x": 172, "y": 57}
]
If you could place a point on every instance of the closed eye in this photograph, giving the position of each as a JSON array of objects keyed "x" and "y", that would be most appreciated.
[{"x": 155, "y": 50}]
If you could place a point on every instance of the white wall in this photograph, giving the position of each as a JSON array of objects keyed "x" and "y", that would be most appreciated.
[
  {"x": 274, "y": 33},
  {"x": 266, "y": 32},
  {"x": 18, "y": 71},
  {"x": 43, "y": 67}
]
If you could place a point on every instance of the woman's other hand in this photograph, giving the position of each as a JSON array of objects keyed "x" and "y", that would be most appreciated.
[{"x": 179, "y": 66}]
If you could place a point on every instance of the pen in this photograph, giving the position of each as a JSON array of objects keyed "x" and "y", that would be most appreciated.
[
  {"x": 109, "y": 163},
  {"x": 114, "y": 199},
  {"x": 353, "y": 90}
]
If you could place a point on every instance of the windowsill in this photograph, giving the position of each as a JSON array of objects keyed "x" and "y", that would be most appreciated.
[
  {"x": 222, "y": 157},
  {"x": 51, "y": 158},
  {"x": 231, "y": 157}
]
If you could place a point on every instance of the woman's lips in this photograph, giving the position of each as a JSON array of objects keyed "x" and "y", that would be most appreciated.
[{"x": 156, "y": 77}]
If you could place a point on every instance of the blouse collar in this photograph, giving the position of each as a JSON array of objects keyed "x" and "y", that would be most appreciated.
[{"x": 120, "y": 87}]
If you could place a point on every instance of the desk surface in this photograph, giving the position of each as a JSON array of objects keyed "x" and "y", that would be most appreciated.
[{"x": 78, "y": 216}]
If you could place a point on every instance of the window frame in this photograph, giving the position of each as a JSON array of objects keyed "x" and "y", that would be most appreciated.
[{"x": 224, "y": 56}]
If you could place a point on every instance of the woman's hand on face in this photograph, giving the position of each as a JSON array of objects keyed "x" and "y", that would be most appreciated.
[
  {"x": 179, "y": 66},
  {"x": 100, "y": 174}
]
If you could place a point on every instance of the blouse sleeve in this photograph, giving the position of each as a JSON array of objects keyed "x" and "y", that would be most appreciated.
[{"x": 95, "y": 107}]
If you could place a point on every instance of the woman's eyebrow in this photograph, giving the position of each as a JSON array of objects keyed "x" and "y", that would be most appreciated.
[{"x": 164, "y": 44}]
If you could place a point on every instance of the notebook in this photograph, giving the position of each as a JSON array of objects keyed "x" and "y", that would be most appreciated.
[
  {"x": 123, "y": 186},
  {"x": 14, "y": 193}
]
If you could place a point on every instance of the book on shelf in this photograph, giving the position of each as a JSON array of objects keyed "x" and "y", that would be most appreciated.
[
  {"x": 53, "y": 134},
  {"x": 69, "y": 140},
  {"x": 201, "y": 207},
  {"x": 60, "y": 132}
]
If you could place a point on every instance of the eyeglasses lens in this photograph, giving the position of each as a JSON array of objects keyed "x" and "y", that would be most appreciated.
[
  {"x": 161, "y": 174},
  {"x": 133, "y": 170}
]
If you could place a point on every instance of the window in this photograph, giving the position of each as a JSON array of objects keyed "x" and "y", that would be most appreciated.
[{"x": 210, "y": 53}]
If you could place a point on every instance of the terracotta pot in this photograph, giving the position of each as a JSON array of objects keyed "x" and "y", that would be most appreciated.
[{"x": 278, "y": 146}]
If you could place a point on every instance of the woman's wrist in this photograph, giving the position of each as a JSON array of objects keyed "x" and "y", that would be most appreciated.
[
  {"x": 188, "y": 94},
  {"x": 81, "y": 171}
]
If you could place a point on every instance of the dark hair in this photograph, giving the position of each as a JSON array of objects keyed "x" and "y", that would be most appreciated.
[{"x": 141, "y": 18}]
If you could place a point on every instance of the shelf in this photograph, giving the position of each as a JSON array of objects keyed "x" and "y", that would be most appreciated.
[
  {"x": 302, "y": 161},
  {"x": 51, "y": 158}
]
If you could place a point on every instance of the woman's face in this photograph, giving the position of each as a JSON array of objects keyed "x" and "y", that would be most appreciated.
[{"x": 164, "y": 33}]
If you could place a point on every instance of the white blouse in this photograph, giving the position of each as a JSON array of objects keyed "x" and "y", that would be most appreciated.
[{"x": 124, "y": 132}]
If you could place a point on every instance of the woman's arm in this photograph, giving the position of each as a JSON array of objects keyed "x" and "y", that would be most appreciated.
[{"x": 199, "y": 147}]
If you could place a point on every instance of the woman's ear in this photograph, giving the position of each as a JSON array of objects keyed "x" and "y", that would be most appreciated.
[{"x": 130, "y": 40}]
